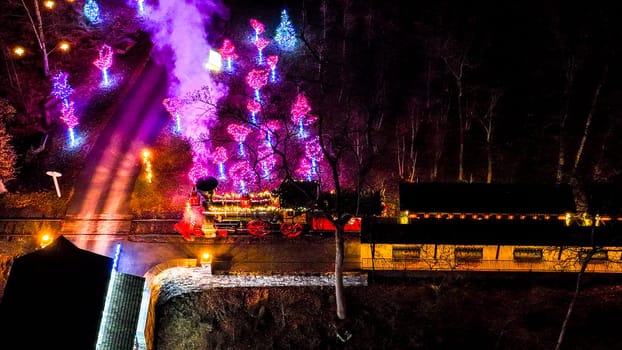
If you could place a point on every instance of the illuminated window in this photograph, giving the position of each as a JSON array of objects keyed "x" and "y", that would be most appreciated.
[
  {"x": 406, "y": 253},
  {"x": 527, "y": 254},
  {"x": 598, "y": 257},
  {"x": 468, "y": 253}
]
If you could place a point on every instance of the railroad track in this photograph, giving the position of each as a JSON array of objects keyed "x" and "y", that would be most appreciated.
[
  {"x": 33, "y": 226},
  {"x": 136, "y": 229}
]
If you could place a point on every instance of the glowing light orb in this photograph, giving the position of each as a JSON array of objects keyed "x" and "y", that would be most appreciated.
[
  {"x": 64, "y": 46},
  {"x": 19, "y": 51},
  {"x": 214, "y": 61}
]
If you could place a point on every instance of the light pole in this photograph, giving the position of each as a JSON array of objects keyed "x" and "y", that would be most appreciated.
[{"x": 55, "y": 175}]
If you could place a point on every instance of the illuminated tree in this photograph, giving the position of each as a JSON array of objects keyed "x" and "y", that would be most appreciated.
[
  {"x": 8, "y": 158},
  {"x": 104, "y": 62},
  {"x": 91, "y": 11},
  {"x": 61, "y": 88},
  {"x": 285, "y": 35}
]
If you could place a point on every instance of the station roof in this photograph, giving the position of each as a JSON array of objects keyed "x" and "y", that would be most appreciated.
[
  {"x": 486, "y": 198},
  {"x": 539, "y": 232}
]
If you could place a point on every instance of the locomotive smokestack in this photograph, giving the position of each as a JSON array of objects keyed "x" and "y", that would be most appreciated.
[{"x": 205, "y": 186}]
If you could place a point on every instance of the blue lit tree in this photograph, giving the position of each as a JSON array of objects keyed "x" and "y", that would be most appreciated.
[
  {"x": 91, "y": 11},
  {"x": 285, "y": 35}
]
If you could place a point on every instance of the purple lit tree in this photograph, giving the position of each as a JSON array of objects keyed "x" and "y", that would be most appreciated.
[{"x": 61, "y": 88}]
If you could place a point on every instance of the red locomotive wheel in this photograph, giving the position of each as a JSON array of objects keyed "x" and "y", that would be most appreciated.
[
  {"x": 258, "y": 227},
  {"x": 291, "y": 230}
]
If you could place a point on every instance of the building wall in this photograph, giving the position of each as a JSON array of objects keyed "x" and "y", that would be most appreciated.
[{"x": 490, "y": 258}]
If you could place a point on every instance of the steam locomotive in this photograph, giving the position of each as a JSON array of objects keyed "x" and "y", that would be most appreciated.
[{"x": 293, "y": 209}]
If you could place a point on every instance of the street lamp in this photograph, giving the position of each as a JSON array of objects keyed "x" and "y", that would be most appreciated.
[
  {"x": 49, "y": 4},
  {"x": 62, "y": 45},
  {"x": 55, "y": 175},
  {"x": 19, "y": 51},
  {"x": 206, "y": 262},
  {"x": 45, "y": 239}
]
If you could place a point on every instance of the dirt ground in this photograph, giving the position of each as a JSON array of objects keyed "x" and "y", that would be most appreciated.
[{"x": 418, "y": 313}]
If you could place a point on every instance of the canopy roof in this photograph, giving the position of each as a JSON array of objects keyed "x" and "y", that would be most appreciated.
[{"x": 54, "y": 298}]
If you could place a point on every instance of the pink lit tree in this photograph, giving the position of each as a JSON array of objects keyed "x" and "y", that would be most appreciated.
[
  {"x": 227, "y": 52},
  {"x": 104, "y": 62},
  {"x": 256, "y": 79},
  {"x": 272, "y": 61},
  {"x": 239, "y": 132},
  {"x": 254, "y": 107},
  {"x": 300, "y": 114},
  {"x": 220, "y": 157},
  {"x": 173, "y": 106},
  {"x": 261, "y": 44},
  {"x": 68, "y": 116},
  {"x": 258, "y": 27}
]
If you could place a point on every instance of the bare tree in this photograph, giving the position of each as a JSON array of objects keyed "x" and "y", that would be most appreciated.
[
  {"x": 456, "y": 57},
  {"x": 487, "y": 122},
  {"x": 37, "y": 28},
  {"x": 588, "y": 121},
  {"x": 570, "y": 70},
  {"x": 406, "y": 147}
]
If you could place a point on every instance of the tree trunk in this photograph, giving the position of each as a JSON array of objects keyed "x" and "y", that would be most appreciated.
[
  {"x": 575, "y": 295},
  {"x": 599, "y": 167},
  {"x": 41, "y": 37},
  {"x": 588, "y": 122},
  {"x": 460, "y": 134},
  {"x": 561, "y": 158},
  {"x": 489, "y": 173},
  {"x": 39, "y": 34},
  {"x": 339, "y": 256}
]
